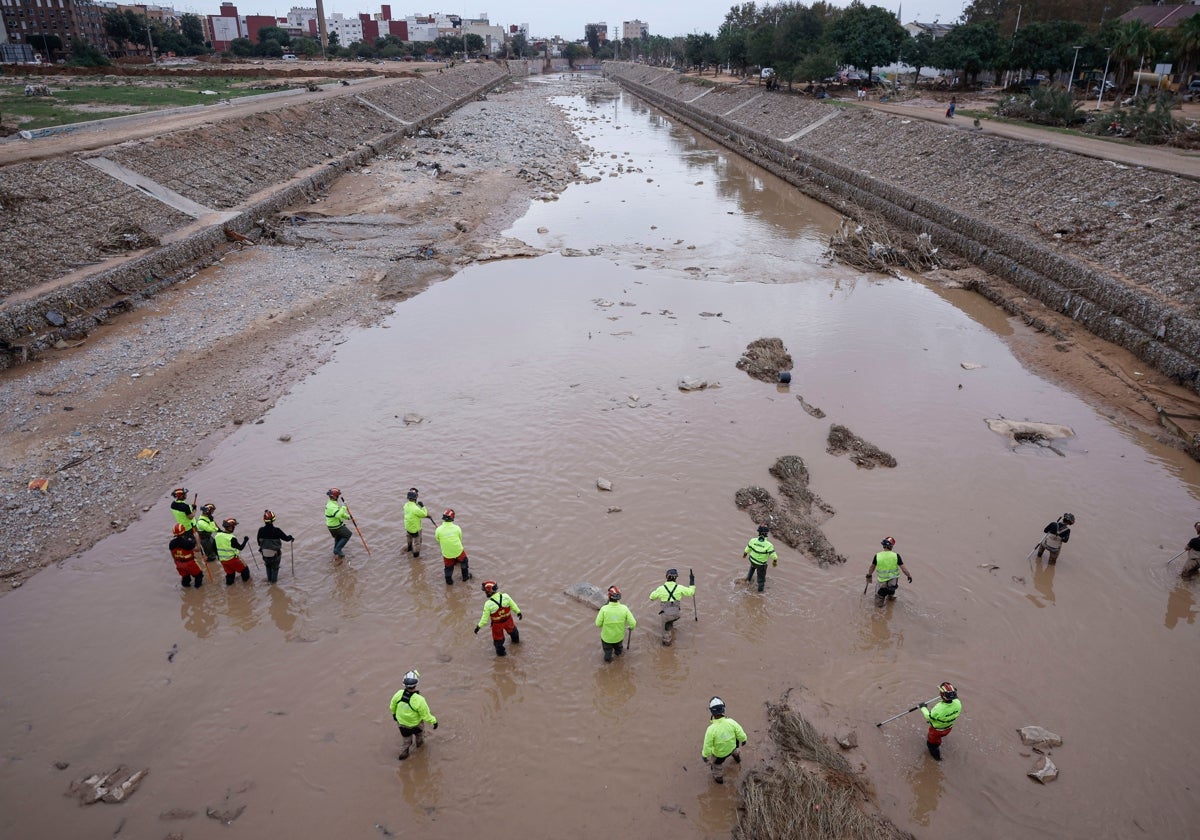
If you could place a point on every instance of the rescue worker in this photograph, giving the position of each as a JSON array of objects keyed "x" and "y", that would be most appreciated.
[
  {"x": 409, "y": 710},
  {"x": 760, "y": 550},
  {"x": 670, "y": 593},
  {"x": 612, "y": 620},
  {"x": 941, "y": 718},
  {"x": 270, "y": 545},
  {"x": 723, "y": 738},
  {"x": 206, "y": 530},
  {"x": 336, "y": 514},
  {"x": 498, "y": 609},
  {"x": 183, "y": 512},
  {"x": 449, "y": 537},
  {"x": 227, "y": 552},
  {"x": 414, "y": 512},
  {"x": 887, "y": 566},
  {"x": 1192, "y": 565},
  {"x": 1057, "y": 534},
  {"x": 183, "y": 552}
]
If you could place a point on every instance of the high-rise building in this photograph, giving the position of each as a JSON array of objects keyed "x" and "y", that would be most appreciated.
[
  {"x": 601, "y": 30},
  {"x": 26, "y": 20}
]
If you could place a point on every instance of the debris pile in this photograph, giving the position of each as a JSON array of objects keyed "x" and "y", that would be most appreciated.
[
  {"x": 764, "y": 358},
  {"x": 864, "y": 454}
]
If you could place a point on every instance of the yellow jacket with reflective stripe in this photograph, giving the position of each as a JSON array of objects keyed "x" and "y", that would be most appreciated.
[
  {"x": 943, "y": 714},
  {"x": 449, "y": 537},
  {"x": 498, "y": 603},
  {"x": 336, "y": 514},
  {"x": 412, "y": 711},
  {"x": 226, "y": 550},
  {"x": 760, "y": 550},
  {"x": 612, "y": 620},
  {"x": 723, "y": 736}
]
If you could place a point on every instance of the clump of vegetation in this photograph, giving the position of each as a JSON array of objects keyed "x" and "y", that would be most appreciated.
[
  {"x": 1146, "y": 119},
  {"x": 1043, "y": 106},
  {"x": 84, "y": 54},
  {"x": 874, "y": 245},
  {"x": 808, "y": 791}
]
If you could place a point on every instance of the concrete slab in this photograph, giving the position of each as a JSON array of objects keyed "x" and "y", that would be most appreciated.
[{"x": 156, "y": 190}]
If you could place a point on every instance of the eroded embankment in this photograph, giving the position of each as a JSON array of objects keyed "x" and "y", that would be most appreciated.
[
  {"x": 67, "y": 222},
  {"x": 1108, "y": 245}
]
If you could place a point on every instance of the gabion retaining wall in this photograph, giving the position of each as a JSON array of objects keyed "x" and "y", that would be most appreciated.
[
  {"x": 1159, "y": 328},
  {"x": 63, "y": 216}
]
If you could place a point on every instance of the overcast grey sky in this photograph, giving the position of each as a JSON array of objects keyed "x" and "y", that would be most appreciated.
[{"x": 665, "y": 17}]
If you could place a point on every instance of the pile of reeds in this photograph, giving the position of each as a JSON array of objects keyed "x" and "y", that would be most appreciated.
[
  {"x": 873, "y": 245},
  {"x": 809, "y": 791}
]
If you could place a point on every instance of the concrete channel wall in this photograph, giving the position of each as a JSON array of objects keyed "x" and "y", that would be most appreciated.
[
  {"x": 1111, "y": 246},
  {"x": 63, "y": 215}
]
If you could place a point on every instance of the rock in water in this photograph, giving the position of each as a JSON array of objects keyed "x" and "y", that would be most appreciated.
[
  {"x": 1044, "y": 770},
  {"x": 847, "y": 740},
  {"x": 1039, "y": 738},
  {"x": 692, "y": 383},
  {"x": 604, "y": 484},
  {"x": 587, "y": 593}
]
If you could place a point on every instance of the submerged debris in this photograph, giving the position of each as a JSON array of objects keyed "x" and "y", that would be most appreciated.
[
  {"x": 794, "y": 521},
  {"x": 764, "y": 358},
  {"x": 113, "y": 786},
  {"x": 864, "y": 454}
]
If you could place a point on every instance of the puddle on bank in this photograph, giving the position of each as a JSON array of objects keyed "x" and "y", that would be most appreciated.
[{"x": 530, "y": 391}]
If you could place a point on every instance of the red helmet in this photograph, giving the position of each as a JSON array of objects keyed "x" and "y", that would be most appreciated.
[
  {"x": 947, "y": 691},
  {"x": 179, "y": 492},
  {"x": 490, "y": 587},
  {"x": 229, "y": 524},
  {"x": 333, "y": 493},
  {"x": 448, "y": 516},
  {"x": 888, "y": 543},
  {"x": 180, "y": 529},
  {"x": 208, "y": 509},
  {"x": 614, "y": 594},
  {"x": 268, "y": 516}
]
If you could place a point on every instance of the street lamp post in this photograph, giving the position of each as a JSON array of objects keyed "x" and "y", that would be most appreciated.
[
  {"x": 1071, "y": 82},
  {"x": 1104, "y": 80}
]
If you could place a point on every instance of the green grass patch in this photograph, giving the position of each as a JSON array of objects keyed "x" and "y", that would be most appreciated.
[{"x": 84, "y": 100}]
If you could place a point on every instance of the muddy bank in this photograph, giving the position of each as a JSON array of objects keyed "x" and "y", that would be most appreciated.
[
  {"x": 228, "y": 175},
  {"x": 214, "y": 351},
  {"x": 1108, "y": 245}
]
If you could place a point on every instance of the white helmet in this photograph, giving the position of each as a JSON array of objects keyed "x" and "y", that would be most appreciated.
[
  {"x": 410, "y": 679},
  {"x": 716, "y": 706}
]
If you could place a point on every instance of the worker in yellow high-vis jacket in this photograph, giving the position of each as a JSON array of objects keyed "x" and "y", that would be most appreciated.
[
  {"x": 612, "y": 620},
  {"x": 887, "y": 566},
  {"x": 671, "y": 593},
  {"x": 409, "y": 710},
  {"x": 759, "y": 551},
  {"x": 723, "y": 738}
]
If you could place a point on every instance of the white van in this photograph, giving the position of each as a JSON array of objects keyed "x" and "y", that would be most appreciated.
[{"x": 289, "y": 57}]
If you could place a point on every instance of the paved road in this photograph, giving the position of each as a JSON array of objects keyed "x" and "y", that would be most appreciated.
[{"x": 1165, "y": 159}]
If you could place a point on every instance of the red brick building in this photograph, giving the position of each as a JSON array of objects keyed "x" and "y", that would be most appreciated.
[{"x": 65, "y": 19}]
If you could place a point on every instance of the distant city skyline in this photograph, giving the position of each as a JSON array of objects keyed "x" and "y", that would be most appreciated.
[{"x": 664, "y": 17}]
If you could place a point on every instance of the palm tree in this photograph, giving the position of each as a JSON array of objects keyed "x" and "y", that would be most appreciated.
[
  {"x": 1187, "y": 43},
  {"x": 1133, "y": 43}
]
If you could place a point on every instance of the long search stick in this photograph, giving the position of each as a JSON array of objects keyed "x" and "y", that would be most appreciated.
[
  {"x": 695, "y": 610},
  {"x": 1176, "y": 557},
  {"x": 360, "y": 536},
  {"x": 292, "y": 548},
  {"x": 629, "y": 640},
  {"x": 253, "y": 554},
  {"x": 902, "y": 714}
]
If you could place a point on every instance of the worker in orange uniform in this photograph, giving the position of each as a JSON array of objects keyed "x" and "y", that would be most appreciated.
[
  {"x": 183, "y": 552},
  {"x": 498, "y": 609}
]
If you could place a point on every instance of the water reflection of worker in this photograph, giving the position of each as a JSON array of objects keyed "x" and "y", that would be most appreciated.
[
  {"x": 759, "y": 550},
  {"x": 1191, "y": 566},
  {"x": 197, "y": 616},
  {"x": 281, "y": 609},
  {"x": 183, "y": 552},
  {"x": 1043, "y": 580},
  {"x": 670, "y": 593},
  {"x": 941, "y": 718},
  {"x": 928, "y": 782},
  {"x": 1057, "y": 534},
  {"x": 887, "y": 566},
  {"x": 723, "y": 738},
  {"x": 1180, "y": 605}
]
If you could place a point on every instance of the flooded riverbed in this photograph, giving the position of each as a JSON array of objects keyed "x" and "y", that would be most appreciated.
[{"x": 535, "y": 378}]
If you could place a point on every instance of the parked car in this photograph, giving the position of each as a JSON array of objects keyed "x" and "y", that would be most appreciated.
[{"x": 1194, "y": 87}]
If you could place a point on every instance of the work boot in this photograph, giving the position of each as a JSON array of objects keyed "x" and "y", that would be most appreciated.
[
  {"x": 608, "y": 654},
  {"x": 419, "y": 739},
  {"x": 515, "y": 635},
  {"x": 737, "y": 756},
  {"x": 187, "y": 581},
  {"x": 199, "y": 581},
  {"x": 935, "y": 751},
  {"x": 245, "y": 575},
  {"x": 449, "y": 575},
  {"x": 500, "y": 651},
  {"x": 229, "y": 579},
  {"x": 619, "y": 649},
  {"x": 466, "y": 571}
]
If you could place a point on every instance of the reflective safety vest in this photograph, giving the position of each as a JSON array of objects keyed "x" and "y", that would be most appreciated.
[
  {"x": 409, "y": 708},
  {"x": 498, "y": 607},
  {"x": 414, "y": 512},
  {"x": 449, "y": 537},
  {"x": 723, "y": 736},
  {"x": 184, "y": 516},
  {"x": 760, "y": 551},
  {"x": 335, "y": 514},
  {"x": 887, "y": 566},
  {"x": 943, "y": 714},
  {"x": 205, "y": 525},
  {"x": 226, "y": 550}
]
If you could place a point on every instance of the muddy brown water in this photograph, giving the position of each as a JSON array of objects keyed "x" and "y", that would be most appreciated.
[{"x": 531, "y": 389}]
